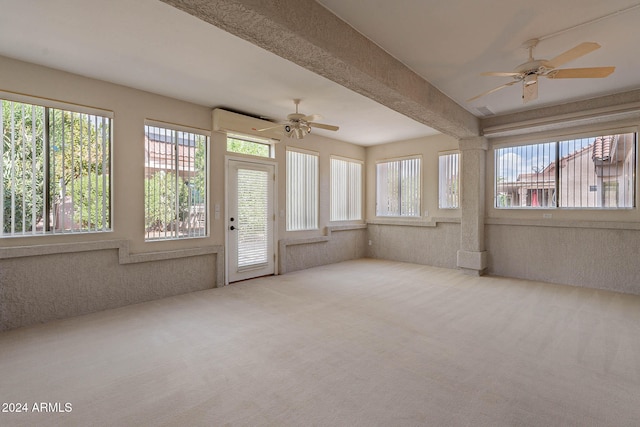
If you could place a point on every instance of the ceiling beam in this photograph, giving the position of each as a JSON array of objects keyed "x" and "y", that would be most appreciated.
[{"x": 306, "y": 33}]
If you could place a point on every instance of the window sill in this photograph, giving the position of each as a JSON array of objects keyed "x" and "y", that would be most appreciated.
[
  {"x": 611, "y": 225},
  {"x": 417, "y": 222},
  {"x": 330, "y": 229},
  {"x": 124, "y": 256},
  {"x": 51, "y": 234}
]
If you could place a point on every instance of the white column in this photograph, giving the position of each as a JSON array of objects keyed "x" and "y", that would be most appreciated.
[{"x": 472, "y": 256}]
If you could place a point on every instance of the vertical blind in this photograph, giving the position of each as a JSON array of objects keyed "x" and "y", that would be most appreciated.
[
  {"x": 253, "y": 218},
  {"x": 302, "y": 191},
  {"x": 448, "y": 181},
  {"x": 398, "y": 187},
  {"x": 346, "y": 190}
]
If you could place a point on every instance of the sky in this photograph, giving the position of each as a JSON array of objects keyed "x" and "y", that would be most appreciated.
[{"x": 513, "y": 161}]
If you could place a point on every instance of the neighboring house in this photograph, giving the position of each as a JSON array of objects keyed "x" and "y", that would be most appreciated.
[
  {"x": 159, "y": 155},
  {"x": 596, "y": 175}
]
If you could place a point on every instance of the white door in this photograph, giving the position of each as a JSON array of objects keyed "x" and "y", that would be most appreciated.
[{"x": 250, "y": 220}]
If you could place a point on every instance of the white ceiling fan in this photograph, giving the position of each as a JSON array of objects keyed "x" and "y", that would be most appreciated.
[
  {"x": 298, "y": 125},
  {"x": 529, "y": 72}
]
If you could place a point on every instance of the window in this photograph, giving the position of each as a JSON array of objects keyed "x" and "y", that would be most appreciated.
[
  {"x": 398, "y": 187},
  {"x": 248, "y": 145},
  {"x": 302, "y": 190},
  {"x": 175, "y": 183},
  {"x": 346, "y": 190},
  {"x": 55, "y": 170},
  {"x": 448, "y": 181},
  {"x": 590, "y": 172}
]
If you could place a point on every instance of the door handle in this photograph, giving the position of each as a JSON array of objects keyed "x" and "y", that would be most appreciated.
[{"x": 232, "y": 228}]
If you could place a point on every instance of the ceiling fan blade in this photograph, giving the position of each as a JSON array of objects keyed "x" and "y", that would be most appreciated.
[
  {"x": 312, "y": 118},
  {"x": 269, "y": 128},
  {"x": 581, "y": 73},
  {"x": 492, "y": 90},
  {"x": 500, "y": 74},
  {"x": 323, "y": 126},
  {"x": 575, "y": 53}
]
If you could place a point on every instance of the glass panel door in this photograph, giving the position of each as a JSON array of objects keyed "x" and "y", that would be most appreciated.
[{"x": 250, "y": 220}]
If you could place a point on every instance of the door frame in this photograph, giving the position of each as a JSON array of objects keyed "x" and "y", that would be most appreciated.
[{"x": 258, "y": 161}]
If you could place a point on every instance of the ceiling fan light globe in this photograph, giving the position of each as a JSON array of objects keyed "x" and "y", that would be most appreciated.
[{"x": 297, "y": 133}]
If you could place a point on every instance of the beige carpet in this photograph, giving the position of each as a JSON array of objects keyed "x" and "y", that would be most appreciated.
[{"x": 361, "y": 343}]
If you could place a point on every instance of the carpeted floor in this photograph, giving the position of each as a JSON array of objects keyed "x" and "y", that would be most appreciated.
[{"x": 360, "y": 343}]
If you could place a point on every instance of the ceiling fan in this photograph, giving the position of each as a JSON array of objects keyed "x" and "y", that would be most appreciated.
[
  {"x": 298, "y": 125},
  {"x": 529, "y": 72}
]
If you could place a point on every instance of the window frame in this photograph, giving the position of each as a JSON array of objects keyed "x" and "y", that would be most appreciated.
[
  {"x": 557, "y": 140},
  {"x": 73, "y": 109},
  {"x": 251, "y": 139},
  {"x": 207, "y": 177},
  {"x": 420, "y": 179},
  {"x": 289, "y": 208},
  {"x": 360, "y": 190}
]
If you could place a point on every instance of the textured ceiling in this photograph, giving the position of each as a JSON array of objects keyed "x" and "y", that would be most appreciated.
[{"x": 450, "y": 43}]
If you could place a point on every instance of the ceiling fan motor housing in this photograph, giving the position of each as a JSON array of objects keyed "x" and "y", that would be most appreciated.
[{"x": 538, "y": 66}]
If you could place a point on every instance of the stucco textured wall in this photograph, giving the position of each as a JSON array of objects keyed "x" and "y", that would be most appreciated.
[
  {"x": 342, "y": 246},
  {"x": 49, "y": 287},
  {"x": 436, "y": 246},
  {"x": 587, "y": 257}
]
